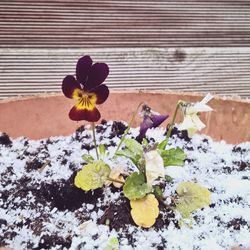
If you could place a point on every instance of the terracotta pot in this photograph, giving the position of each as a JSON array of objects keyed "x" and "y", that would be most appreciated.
[{"x": 47, "y": 115}]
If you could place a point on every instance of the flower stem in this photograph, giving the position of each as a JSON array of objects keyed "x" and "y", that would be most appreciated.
[
  {"x": 114, "y": 180},
  {"x": 94, "y": 139},
  {"x": 128, "y": 128},
  {"x": 173, "y": 120}
]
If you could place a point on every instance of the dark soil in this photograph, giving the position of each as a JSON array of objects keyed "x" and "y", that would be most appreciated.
[
  {"x": 63, "y": 195},
  {"x": 5, "y": 140}
]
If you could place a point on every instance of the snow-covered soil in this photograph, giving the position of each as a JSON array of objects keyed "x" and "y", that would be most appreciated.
[{"x": 41, "y": 209}]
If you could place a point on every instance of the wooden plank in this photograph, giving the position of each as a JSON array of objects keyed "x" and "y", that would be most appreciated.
[
  {"x": 224, "y": 71},
  {"x": 124, "y": 23}
]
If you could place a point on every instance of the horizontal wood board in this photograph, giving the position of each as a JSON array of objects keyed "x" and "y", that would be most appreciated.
[
  {"x": 163, "y": 44},
  {"x": 119, "y": 23},
  {"x": 224, "y": 71}
]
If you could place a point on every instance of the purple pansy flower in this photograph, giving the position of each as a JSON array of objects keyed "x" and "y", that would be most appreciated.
[
  {"x": 151, "y": 119},
  {"x": 87, "y": 89}
]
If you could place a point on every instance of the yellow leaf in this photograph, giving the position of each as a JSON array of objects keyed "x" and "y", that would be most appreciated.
[
  {"x": 192, "y": 196},
  {"x": 145, "y": 211},
  {"x": 92, "y": 176}
]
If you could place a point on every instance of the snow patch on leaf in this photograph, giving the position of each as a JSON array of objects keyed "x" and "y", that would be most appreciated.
[
  {"x": 92, "y": 176},
  {"x": 135, "y": 186},
  {"x": 192, "y": 196}
]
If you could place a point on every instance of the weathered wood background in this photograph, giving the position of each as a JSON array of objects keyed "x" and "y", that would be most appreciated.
[{"x": 149, "y": 44}]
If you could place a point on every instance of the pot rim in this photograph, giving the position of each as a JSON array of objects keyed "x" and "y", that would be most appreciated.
[{"x": 235, "y": 98}]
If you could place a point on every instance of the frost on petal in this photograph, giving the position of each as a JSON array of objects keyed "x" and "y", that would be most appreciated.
[
  {"x": 197, "y": 122},
  {"x": 192, "y": 124},
  {"x": 145, "y": 211},
  {"x": 207, "y": 98},
  {"x": 200, "y": 106},
  {"x": 154, "y": 166},
  {"x": 187, "y": 123}
]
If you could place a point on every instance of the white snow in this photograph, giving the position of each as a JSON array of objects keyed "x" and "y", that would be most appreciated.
[{"x": 209, "y": 161}]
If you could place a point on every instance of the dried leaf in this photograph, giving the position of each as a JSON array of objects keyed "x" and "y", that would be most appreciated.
[
  {"x": 145, "y": 211},
  {"x": 116, "y": 174}
]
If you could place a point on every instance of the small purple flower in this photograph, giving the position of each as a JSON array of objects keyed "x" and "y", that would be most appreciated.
[{"x": 151, "y": 119}]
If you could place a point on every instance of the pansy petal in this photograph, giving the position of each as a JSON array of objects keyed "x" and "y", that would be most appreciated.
[
  {"x": 198, "y": 123},
  {"x": 102, "y": 93},
  {"x": 201, "y": 107},
  {"x": 83, "y": 67},
  {"x": 152, "y": 121},
  {"x": 145, "y": 125},
  {"x": 187, "y": 123},
  {"x": 158, "y": 120},
  {"x": 97, "y": 75},
  {"x": 69, "y": 85},
  {"x": 77, "y": 114},
  {"x": 154, "y": 166},
  {"x": 207, "y": 98}
]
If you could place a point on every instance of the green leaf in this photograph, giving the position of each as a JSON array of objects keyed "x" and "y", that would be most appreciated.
[
  {"x": 92, "y": 176},
  {"x": 102, "y": 150},
  {"x": 158, "y": 191},
  {"x": 88, "y": 158},
  {"x": 192, "y": 196},
  {"x": 162, "y": 145},
  {"x": 168, "y": 178},
  {"x": 133, "y": 150},
  {"x": 135, "y": 186},
  {"x": 113, "y": 244},
  {"x": 145, "y": 142},
  {"x": 173, "y": 157},
  {"x": 133, "y": 146}
]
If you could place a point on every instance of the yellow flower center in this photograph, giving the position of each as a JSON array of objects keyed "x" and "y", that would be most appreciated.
[{"x": 85, "y": 100}]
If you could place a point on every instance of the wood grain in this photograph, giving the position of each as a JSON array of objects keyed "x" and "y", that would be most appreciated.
[
  {"x": 184, "y": 45},
  {"x": 119, "y": 23},
  {"x": 225, "y": 71}
]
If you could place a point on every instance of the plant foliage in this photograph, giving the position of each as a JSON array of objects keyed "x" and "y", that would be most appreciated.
[
  {"x": 192, "y": 196},
  {"x": 133, "y": 150},
  {"x": 145, "y": 211},
  {"x": 92, "y": 176},
  {"x": 135, "y": 186},
  {"x": 173, "y": 157}
]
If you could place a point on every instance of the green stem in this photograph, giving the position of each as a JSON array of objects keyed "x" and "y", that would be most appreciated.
[
  {"x": 173, "y": 120},
  {"x": 128, "y": 128},
  {"x": 114, "y": 180},
  {"x": 94, "y": 139}
]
